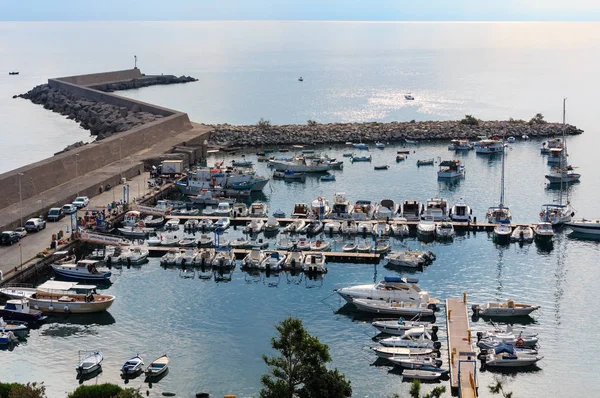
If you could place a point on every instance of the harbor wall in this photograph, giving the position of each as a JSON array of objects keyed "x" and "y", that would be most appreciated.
[{"x": 103, "y": 77}]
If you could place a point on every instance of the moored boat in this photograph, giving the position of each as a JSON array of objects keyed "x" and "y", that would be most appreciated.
[
  {"x": 399, "y": 308},
  {"x": 398, "y": 326},
  {"x": 89, "y": 364},
  {"x": 507, "y": 309},
  {"x": 82, "y": 270},
  {"x": 157, "y": 367},
  {"x": 522, "y": 233},
  {"x": 132, "y": 366},
  {"x": 584, "y": 226}
]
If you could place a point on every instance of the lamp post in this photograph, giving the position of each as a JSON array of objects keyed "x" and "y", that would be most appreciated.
[
  {"x": 20, "y": 200},
  {"x": 77, "y": 171}
]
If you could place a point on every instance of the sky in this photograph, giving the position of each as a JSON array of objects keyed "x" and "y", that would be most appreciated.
[{"x": 329, "y": 10}]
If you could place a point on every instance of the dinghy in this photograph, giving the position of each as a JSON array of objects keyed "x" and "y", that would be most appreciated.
[
  {"x": 158, "y": 366},
  {"x": 421, "y": 374},
  {"x": 132, "y": 366},
  {"x": 90, "y": 363},
  {"x": 398, "y": 327},
  {"x": 421, "y": 307},
  {"x": 390, "y": 352},
  {"x": 508, "y": 309}
]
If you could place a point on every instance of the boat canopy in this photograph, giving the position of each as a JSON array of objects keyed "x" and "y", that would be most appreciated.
[
  {"x": 57, "y": 285},
  {"x": 449, "y": 163},
  {"x": 507, "y": 348},
  {"x": 401, "y": 279}
]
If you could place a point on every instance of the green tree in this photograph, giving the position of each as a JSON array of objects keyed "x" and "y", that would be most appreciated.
[
  {"x": 311, "y": 123},
  {"x": 470, "y": 120},
  {"x": 537, "y": 119},
  {"x": 300, "y": 369},
  {"x": 106, "y": 390},
  {"x": 29, "y": 390},
  {"x": 264, "y": 124},
  {"x": 498, "y": 388}
]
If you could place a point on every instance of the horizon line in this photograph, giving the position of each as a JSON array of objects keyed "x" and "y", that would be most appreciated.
[{"x": 309, "y": 20}]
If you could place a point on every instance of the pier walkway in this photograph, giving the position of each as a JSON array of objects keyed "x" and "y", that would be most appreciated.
[{"x": 462, "y": 358}]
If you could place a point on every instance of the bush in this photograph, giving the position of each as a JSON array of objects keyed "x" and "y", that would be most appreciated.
[
  {"x": 105, "y": 390},
  {"x": 16, "y": 390},
  {"x": 470, "y": 120},
  {"x": 537, "y": 119},
  {"x": 311, "y": 123},
  {"x": 264, "y": 124},
  {"x": 511, "y": 120}
]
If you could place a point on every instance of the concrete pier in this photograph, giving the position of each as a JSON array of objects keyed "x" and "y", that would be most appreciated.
[{"x": 462, "y": 358}]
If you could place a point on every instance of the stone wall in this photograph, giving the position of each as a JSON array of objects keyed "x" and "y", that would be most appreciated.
[{"x": 103, "y": 77}]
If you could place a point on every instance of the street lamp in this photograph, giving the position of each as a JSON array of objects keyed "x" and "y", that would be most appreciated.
[{"x": 20, "y": 199}]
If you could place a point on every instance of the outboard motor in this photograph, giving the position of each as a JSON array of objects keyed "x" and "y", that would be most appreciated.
[
  {"x": 437, "y": 345},
  {"x": 479, "y": 336},
  {"x": 475, "y": 309}
]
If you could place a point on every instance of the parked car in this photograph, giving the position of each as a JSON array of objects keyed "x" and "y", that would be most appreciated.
[
  {"x": 55, "y": 214},
  {"x": 35, "y": 224},
  {"x": 9, "y": 237},
  {"x": 81, "y": 201},
  {"x": 22, "y": 232},
  {"x": 69, "y": 209}
]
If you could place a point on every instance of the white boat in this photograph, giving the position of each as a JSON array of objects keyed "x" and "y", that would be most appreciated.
[
  {"x": 131, "y": 218},
  {"x": 303, "y": 244},
  {"x": 320, "y": 209},
  {"x": 172, "y": 224},
  {"x": 363, "y": 210},
  {"x": 304, "y": 229},
  {"x": 551, "y": 143},
  {"x": 239, "y": 243},
  {"x": 349, "y": 247},
  {"x": 271, "y": 225},
  {"x": 544, "y": 232},
  {"x": 220, "y": 180},
  {"x": 499, "y": 214},
  {"x": 301, "y": 210},
  {"x": 460, "y": 211},
  {"x": 132, "y": 367},
  {"x": 135, "y": 232},
  {"x": 449, "y": 169},
  {"x": 314, "y": 263},
  {"x": 258, "y": 209},
  {"x": 186, "y": 257},
  {"x": 301, "y": 165},
  {"x": 136, "y": 255},
  {"x": 341, "y": 206},
  {"x": 557, "y": 156},
  {"x": 423, "y": 363},
  {"x": 364, "y": 246},
  {"x": 399, "y": 227},
  {"x": 364, "y": 228},
  {"x": 255, "y": 226},
  {"x": 223, "y": 209},
  {"x": 360, "y": 145},
  {"x": 169, "y": 240},
  {"x": 158, "y": 366},
  {"x": 209, "y": 211},
  {"x": 82, "y": 270},
  {"x": 507, "y": 309},
  {"x": 437, "y": 208},
  {"x": 407, "y": 258},
  {"x": 411, "y": 210},
  {"x": 13, "y": 326},
  {"x": 426, "y": 227},
  {"x": 502, "y": 232},
  {"x": 492, "y": 338},
  {"x": 253, "y": 259},
  {"x": 284, "y": 243},
  {"x": 557, "y": 214},
  {"x": 222, "y": 224},
  {"x": 381, "y": 246},
  {"x": 584, "y": 226},
  {"x": 295, "y": 225},
  {"x": 402, "y": 352},
  {"x": 387, "y": 210},
  {"x": 7, "y": 337},
  {"x": 320, "y": 246},
  {"x": 488, "y": 147},
  {"x": 294, "y": 260},
  {"x": 223, "y": 258},
  {"x": 562, "y": 175},
  {"x": 240, "y": 210},
  {"x": 460, "y": 145},
  {"x": 272, "y": 261},
  {"x": 382, "y": 228},
  {"x": 511, "y": 139},
  {"x": 398, "y": 308},
  {"x": 187, "y": 242},
  {"x": 380, "y": 145},
  {"x": 421, "y": 374},
  {"x": 89, "y": 364},
  {"x": 505, "y": 357},
  {"x": 206, "y": 240},
  {"x": 204, "y": 257},
  {"x": 444, "y": 230},
  {"x": 417, "y": 337},
  {"x": 391, "y": 288},
  {"x": 522, "y": 233},
  {"x": 332, "y": 227},
  {"x": 190, "y": 225},
  {"x": 398, "y": 327},
  {"x": 205, "y": 224}
]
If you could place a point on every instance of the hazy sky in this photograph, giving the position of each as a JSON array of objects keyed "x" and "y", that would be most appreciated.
[{"x": 342, "y": 10}]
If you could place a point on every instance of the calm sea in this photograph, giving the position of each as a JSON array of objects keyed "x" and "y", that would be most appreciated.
[{"x": 216, "y": 332}]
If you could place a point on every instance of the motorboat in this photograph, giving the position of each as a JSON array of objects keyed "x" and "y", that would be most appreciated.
[
  {"x": 507, "y": 357},
  {"x": 255, "y": 226},
  {"x": 279, "y": 213},
  {"x": 241, "y": 163},
  {"x": 425, "y": 162},
  {"x": 285, "y": 243},
  {"x": 301, "y": 210},
  {"x": 290, "y": 176},
  {"x": 402, "y": 352},
  {"x": 341, "y": 206},
  {"x": 315, "y": 227},
  {"x": 411, "y": 210},
  {"x": 398, "y": 308},
  {"x": 379, "y": 145},
  {"x": 492, "y": 338},
  {"x": 460, "y": 145},
  {"x": 511, "y": 140},
  {"x": 204, "y": 257},
  {"x": 222, "y": 224},
  {"x": 488, "y": 147},
  {"x": 295, "y": 225},
  {"x": 132, "y": 366},
  {"x": 429, "y": 363},
  {"x": 239, "y": 243},
  {"x": 390, "y": 288},
  {"x": 169, "y": 257},
  {"x": 444, "y": 230},
  {"x": 186, "y": 257},
  {"x": 562, "y": 175},
  {"x": 364, "y": 228},
  {"x": 172, "y": 224},
  {"x": 258, "y": 209},
  {"x": 190, "y": 225},
  {"x": 399, "y": 227},
  {"x": 584, "y": 226},
  {"x": 409, "y": 97},
  {"x": 381, "y": 246},
  {"x": 82, "y": 270},
  {"x": 13, "y": 326},
  {"x": 522, "y": 233},
  {"x": 206, "y": 240},
  {"x": 426, "y": 227},
  {"x": 507, "y": 309},
  {"x": 135, "y": 232},
  {"x": 19, "y": 309},
  {"x": 421, "y": 374},
  {"x": 223, "y": 258},
  {"x": 398, "y": 326},
  {"x": 361, "y": 158},
  {"x": 188, "y": 242},
  {"x": 154, "y": 222},
  {"x": 157, "y": 367},
  {"x": 544, "y": 232},
  {"x": 314, "y": 263},
  {"x": 450, "y": 169},
  {"x": 320, "y": 246},
  {"x": 400, "y": 157},
  {"x": 209, "y": 211},
  {"x": 301, "y": 165},
  {"x": 349, "y": 227},
  {"x": 131, "y": 218},
  {"x": 253, "y": 259},
  {"x": 349, "y": 247},
  {"x": 460, "y": 211},
  {"x": 557, "y": 214},
  {"x": 294, "y": 260},
  {"x": 53, "y": 296},
  {"x": 363, "y": 210},
  {"x": 502, "y": 232},
  {"x": 205, "y": 224},
  {"x": 328, "y": 177},
  {"x": 382, "y": 228},
  {"x": 361, "y": 145},
  {"x": 410, "y": 258},
  {"x": 239, "y": 210},
  {"x": 386, "y": 210},
  {"x": 320, "y": 209},
  {"x": 417, "y": 337},
  {"x": 551, "y": 143},
  {"x": 381, "y": 167},
  {"x": 436, "y": 208},
  {"x": 89, "y": 364},
  {"x": 223, "y": 209},
  {"x": 332, "y": 227},
  {"x": 7, "y": 337},
  {"x": 364, "y": 246},
  {"x": 271, "y": 225},
  {"x": 272, "y": 261},
  {"x": 186, "y": 212},
  {"x": 134, "y": 256}
]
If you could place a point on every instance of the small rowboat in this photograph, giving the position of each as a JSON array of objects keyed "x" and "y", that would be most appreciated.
[
  {"x": 89, "y": 363},
  {"x": 421, "y": 374},
  {"x": 382, "y": 167},
  {"x": 132, "y": 366},
  {"x": 425, "y": 162},
  {"x": 158, "y": 366}
]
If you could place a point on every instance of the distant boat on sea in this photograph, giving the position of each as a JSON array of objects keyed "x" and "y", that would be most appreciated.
[
  {"x": 300, "y": 79},
  {"x": 409, "y": 97},
  {"x": 13, "y": 73}
]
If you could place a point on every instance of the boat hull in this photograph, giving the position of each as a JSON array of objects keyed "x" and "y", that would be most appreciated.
[
  {"x": 105, "y": 276},
  {"x": 75, "y": 307}
]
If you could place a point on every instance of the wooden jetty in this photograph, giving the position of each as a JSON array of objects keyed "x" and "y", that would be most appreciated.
[{"x": 462, "y": 358}]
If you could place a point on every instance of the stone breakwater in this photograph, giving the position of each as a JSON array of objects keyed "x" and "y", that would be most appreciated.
[
  {"x": 145, "y": 81},
  {"x": 233, "y": 136}
]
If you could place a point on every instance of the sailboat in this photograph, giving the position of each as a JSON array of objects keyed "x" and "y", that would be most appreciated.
[
  {"x": 500, "y": 214},
  {"x": 563, "y": 173},
  {"x": 558, "y": 213}
]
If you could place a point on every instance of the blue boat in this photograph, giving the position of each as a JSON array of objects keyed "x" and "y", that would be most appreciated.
[
  {"x": 360, "y": 158},
  {"x": 360, "y": 145},
  {"x": 279, "y": 213},
  {"x": 19, "y": 310},
  {"x": 328, "y": 177},
  {"x": 244, "y": 185}
]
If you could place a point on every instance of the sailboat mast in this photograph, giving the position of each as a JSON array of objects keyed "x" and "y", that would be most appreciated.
[{"x": 502, "y": 179}]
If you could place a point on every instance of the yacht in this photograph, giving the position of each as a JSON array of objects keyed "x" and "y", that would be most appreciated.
[
  {"x": 386, "y": 210},
  {"x": 363, "y": 210},
  {"x": 341, "y": 206},
  {"x": 460, "y": 211},
  {"x": 319, "y": 208},
  {"x": 411, "y": 210},
  {"x": 562, "y": 175},
  {"x": 258, "y": 209},
  {"x": 58, "y": 298},
  {"x": 390, "y": 288},
  {"x": 499, "y": 214},
  {"x": 426, "y": 226},
  {"x": 585, "y": 227},
  {"x": 436, "y": 208},
  {"x": 557, "y": 214},
  {"x": 488, "y": 147},
  {"x": 82, "y": 270}
]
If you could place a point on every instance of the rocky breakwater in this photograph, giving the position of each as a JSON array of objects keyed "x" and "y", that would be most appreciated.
[
  {"x": 102, "y": 119},
  {"x": 225, "y": 135},
  {"x": 145, "y": 81}
]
